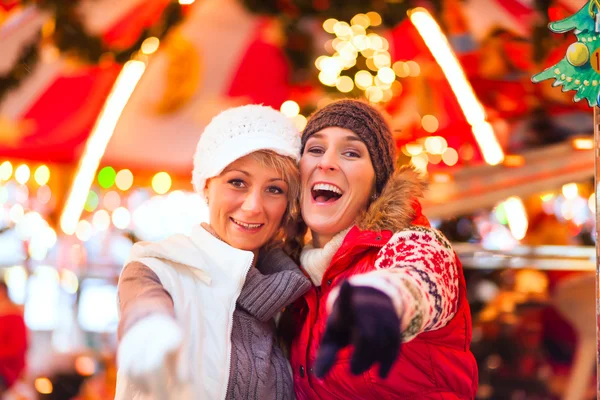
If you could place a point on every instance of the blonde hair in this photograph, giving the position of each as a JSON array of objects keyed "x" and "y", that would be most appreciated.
[{"x": 291, "y": 233}]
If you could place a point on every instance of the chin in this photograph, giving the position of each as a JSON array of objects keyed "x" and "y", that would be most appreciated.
[
  {"x": 325, "y": 226},
  {"x": 325, "y": 222}
]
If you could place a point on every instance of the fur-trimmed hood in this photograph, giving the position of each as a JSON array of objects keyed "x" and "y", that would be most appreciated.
[{"x": 397, "y": 206}]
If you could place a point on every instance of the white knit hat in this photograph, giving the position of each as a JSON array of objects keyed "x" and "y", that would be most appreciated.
[{"x": 237, "y": 132}]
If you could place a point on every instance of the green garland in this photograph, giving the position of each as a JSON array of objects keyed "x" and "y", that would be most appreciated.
[{"x": 70, "y": 37}]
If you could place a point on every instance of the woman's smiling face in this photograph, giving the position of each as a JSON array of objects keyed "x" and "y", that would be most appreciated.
[
  {"x": 247, "y": 203},
  {"x": 338, "y": 180}
]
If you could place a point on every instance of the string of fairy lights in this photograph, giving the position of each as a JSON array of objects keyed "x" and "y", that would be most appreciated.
[{"x": 359, "y": 60}]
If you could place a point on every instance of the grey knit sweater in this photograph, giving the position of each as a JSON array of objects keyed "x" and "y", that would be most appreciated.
[{"x": 259, "y": 369}]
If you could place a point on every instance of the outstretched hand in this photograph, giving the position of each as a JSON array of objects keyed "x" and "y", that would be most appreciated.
[
  {"x": 365, "y": 318},
  {"x": 147, "y": 355}
]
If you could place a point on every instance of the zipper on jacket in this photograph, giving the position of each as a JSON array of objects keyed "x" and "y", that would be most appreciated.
[
  {"x": 319, "y": 291},
  {"x": 310, "y": 337},
  {"x": 237, "y": 294}
]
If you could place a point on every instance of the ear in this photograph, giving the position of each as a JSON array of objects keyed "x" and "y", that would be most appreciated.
[
  {"x": 206, "y": 190},
  {"x": 374, "y": 195}
]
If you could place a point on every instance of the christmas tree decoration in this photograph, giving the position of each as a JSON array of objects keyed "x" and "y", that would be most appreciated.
[
  {"x": 579, "y": 70},
  {"x": 578, "y": 54}
]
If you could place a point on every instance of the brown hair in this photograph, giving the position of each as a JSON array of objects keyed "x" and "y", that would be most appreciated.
[{"x": 291, "y": 233}]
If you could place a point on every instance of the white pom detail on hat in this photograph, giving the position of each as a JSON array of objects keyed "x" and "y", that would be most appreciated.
[{"x": 237, "y": 132}]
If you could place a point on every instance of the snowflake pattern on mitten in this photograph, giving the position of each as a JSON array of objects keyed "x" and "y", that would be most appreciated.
[{"x": 417, "y": 268}]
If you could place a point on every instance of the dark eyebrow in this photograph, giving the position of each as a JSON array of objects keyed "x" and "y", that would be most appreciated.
[
  {"x": 349, "y": 138},
  {"x": 316, "y": 136},
  {"x": 353, "y": 139},
  {"x": 236, "y": 170}
]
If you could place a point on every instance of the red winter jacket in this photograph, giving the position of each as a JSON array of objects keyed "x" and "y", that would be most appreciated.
[{"x": 436, "y": 364}]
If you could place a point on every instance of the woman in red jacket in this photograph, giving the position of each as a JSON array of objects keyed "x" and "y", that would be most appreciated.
[{"x": 388, "y": 316}]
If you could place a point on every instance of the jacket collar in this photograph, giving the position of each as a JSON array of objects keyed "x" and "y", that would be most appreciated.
[
  {"x": 315, "y": 261},
  {"x": 190, "y": 251}
]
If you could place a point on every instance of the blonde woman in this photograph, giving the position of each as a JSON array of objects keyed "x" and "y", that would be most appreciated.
[{"x": 197, "y": 312}]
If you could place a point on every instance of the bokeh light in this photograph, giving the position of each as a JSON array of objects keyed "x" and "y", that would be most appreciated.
[
  {"x": 6, "y": 170},
  {"x": 83, "y": 231},
  {"x": 161, "y": 183},
  {"x": 22, "y": 174},
  {"x": 106, "y": 177},
  {"x": 290, "y": 108},
  {"x": 42, "y": 175},
  {"x": 124, "y": 179},
  {"x": 92, "y": 201},
  {"x": 101, "y": 220},
  {"x": 111, "y": 200},
  {"x": 121, "y": 218}
]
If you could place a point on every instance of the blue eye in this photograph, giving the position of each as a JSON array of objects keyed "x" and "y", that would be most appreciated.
[
  {"x": 275, "y": 190},
  {"x": 237, "y": 183},
  {"x": 352, "y": 154}
]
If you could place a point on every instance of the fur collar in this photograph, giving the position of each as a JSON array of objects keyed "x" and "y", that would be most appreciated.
[{"x": 395, "y": 209}]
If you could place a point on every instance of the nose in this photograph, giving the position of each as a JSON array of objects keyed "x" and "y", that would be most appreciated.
[
  {"x": 253, "y": 202},
  {"x": 329, "y": 161}
]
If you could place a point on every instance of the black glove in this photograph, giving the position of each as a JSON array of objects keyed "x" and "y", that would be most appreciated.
[{"x": 366, "y": 318}]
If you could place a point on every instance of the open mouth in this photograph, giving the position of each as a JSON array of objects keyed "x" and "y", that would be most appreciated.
[
  {"x": 326, "y": 193},
  {"x": 245, "y": 225}
]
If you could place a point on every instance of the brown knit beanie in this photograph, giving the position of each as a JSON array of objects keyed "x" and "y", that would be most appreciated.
[{"x": 368, "y": 124}]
